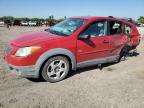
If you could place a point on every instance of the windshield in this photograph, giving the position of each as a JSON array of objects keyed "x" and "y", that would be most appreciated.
[{"x": 67, "y": 27}]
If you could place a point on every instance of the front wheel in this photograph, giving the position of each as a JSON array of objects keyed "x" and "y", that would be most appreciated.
[{"x": 55, "y": 69}]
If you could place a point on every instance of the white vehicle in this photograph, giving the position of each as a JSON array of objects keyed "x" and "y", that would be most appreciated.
[
  {"x": 32, "y": 23},
  {"x": 24, "y": 23},
  {"x": 1, "y": 23}
]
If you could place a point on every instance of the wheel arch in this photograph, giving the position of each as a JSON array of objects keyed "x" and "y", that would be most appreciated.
[
  {"x": 123, "y": 47},
  {"x": 56, "y": 52}
]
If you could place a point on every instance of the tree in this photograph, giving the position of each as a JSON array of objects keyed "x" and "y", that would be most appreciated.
[
  {"x": 141, "y": 19},
  {"x": 50, "y": 18},
  {"x": 17, "y": 21},
  {"x": 65, "y": 17},
  {"x": 42, "y": 20},
  {"x": 1, "y": 19},
  {"x": 8, "y": 19},
  {"x": 59, "y": 20},
  {"x": 26, "y": 19},
  {"x": 34, "y": 19}
]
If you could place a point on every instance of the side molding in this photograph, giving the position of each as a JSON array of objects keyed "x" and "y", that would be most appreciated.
[{"x": 98, "y": 61}]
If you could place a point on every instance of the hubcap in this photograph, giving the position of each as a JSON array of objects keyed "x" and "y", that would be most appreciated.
[{"x": 56, "y": 69}]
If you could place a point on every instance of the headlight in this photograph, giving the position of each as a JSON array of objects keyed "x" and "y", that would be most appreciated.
[{"x": 26, "y": 51}]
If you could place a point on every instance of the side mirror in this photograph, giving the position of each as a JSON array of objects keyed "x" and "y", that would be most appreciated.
[{"x": 83, "y": 37}]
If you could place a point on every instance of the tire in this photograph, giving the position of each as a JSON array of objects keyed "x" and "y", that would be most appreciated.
[
  {"x": 124, "y": 52},
  {"x": 56, "y": 69}
]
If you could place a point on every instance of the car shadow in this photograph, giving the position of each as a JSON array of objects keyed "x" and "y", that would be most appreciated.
[
  {"x": 36, "y": 79},
  {"x": 89, "y": 68}
]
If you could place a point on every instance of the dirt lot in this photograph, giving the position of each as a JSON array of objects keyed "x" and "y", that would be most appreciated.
[{"x": 118, "y": 85}]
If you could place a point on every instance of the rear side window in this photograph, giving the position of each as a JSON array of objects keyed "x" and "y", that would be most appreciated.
[
  {"x": 95, "y": 29},
  {"x": 127, "y": 29},
  {"x": 115, "y": 27}
]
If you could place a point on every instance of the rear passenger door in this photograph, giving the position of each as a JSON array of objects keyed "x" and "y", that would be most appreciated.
[{"x": 116, "y": 36}]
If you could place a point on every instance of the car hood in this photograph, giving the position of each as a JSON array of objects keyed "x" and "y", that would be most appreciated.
[{"x": 34, "y": 38}]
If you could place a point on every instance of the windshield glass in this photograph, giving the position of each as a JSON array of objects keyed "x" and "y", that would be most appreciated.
[{"x": 67, "y": 27}]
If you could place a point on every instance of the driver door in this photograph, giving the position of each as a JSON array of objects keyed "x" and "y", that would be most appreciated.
[{"x": 96, "y": 46}]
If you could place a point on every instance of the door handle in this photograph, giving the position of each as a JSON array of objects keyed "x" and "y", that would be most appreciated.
[{"x": 105, "y": 41}]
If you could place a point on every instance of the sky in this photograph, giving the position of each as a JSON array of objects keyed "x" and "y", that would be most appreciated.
[{"x": 61, "y": 8}]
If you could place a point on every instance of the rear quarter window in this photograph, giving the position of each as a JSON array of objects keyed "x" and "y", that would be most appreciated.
[{"x": 127, "y": 29}]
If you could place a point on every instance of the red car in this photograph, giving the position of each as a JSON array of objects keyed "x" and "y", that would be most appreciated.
[{"x": 73, "y": 43}]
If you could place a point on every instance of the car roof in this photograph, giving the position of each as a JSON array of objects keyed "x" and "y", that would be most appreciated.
[
  {"x": 88, "y": 17},
  {"x": 103, "y": 18}
]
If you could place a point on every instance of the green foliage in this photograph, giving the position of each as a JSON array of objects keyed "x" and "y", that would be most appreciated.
[
  {"x": 60, "y": 20},
  {"x": 7, "y": 18},
  {"x": 141, "y": 19},
  {"x": 25, "y": 19},
  {"x": 17, "y": 21},
  {"x": 65, "y": 17},
  {"x": 50, "y": 18},
  {"x": 1, "y": 19}
]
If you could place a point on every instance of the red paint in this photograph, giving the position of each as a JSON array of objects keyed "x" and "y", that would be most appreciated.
[{"x": 82, "y": 49}]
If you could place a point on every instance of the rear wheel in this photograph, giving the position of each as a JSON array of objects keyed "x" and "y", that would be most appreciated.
[
  {"x": 124, "y": 52},
  {"x": 56, "y": 69}
]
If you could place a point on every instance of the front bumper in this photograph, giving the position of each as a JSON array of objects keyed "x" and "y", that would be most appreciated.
[
  {"x": 21, "y": 66},
  {"x": 24, "y": 71}
]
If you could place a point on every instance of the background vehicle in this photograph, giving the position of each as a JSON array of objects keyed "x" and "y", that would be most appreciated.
[
  {"x": 74, "y": 43},
  {"x": 1, "y": 23},
  {"x": 32, "y": 23},
  {"x": 24, "y": 24}
]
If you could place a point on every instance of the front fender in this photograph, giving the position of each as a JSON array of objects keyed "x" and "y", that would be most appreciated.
[{"x": 54, "y": 52}]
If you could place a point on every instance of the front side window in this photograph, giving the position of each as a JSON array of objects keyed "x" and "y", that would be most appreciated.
[
  {"x": 67, "y": 27},
  {"x": 115, "y": 27},
  {"x": 95, "y": 29}
]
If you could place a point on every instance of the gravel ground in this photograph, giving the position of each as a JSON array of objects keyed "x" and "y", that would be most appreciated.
[{"x": 118, "y": 85}]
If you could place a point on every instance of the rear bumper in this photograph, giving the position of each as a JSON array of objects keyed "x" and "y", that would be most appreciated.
[{"x": 24, "y": 71}]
